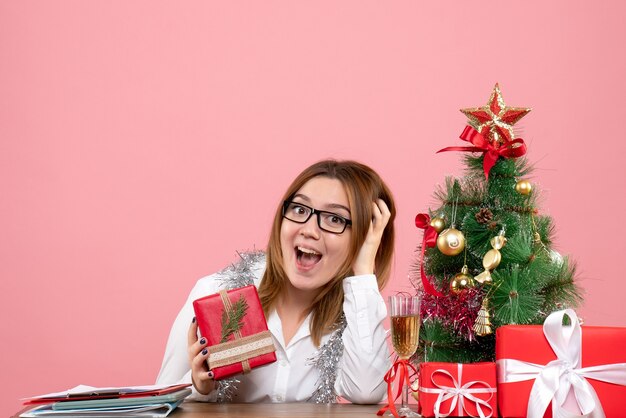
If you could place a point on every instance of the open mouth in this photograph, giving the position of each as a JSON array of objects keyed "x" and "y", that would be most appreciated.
[{"x": 306, "y": 257}]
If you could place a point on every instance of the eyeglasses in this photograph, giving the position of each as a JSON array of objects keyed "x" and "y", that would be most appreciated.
[{"x": 327, "y": 221}]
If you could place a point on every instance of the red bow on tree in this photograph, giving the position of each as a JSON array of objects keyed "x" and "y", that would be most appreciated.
[
  {"x": 509, "y": 149},
  {"x": 422, "y": 221}
]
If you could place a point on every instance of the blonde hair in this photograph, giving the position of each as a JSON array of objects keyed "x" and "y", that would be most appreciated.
[{"x": 363, "y": 186}]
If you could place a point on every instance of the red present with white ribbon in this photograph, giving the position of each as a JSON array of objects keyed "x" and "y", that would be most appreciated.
[
  {"x": 457, "y": 390},
  {"x": 561, "y": 370}
]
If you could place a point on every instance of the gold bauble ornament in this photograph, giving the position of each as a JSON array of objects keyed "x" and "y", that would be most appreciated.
[
  {"x": 461, "y": 281},
  {"x": 438, "y": 224},
  {"x": 451, "y": 241},
  {"x": 524, "y": 187}
]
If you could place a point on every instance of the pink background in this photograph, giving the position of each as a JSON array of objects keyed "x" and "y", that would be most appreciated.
[{"x": 143, "y": 142}]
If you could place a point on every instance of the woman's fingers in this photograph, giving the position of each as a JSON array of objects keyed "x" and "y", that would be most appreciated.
[
  {"x": 380, "y": 218},
  {"x": 193, "y": 346},
  {"x": 192, "y": 332},
  {"x": 384, "y": 209},
  {"x": 201, "y": 376},
  {"x": 366, "y": 258},
  {"x": 199, "y": 363}
]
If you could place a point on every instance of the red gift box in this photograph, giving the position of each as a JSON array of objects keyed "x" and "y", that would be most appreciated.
[
  {"x": 527, "y": 360},
  {"x": 236, "y": 331},
  {"x": 456, "y": 390}
]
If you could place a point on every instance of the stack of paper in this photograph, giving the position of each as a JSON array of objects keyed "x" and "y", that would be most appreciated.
[{"x": 87, "y": 401}]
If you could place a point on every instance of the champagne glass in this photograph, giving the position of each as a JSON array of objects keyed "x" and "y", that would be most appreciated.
[{"x": 405, "y": 328}]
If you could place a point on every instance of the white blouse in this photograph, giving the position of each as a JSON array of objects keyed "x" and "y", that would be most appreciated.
[{"x": 292, "y": 378}]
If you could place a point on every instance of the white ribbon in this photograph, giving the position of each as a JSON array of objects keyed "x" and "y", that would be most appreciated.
[
  {"x": 458, "y": 394},
  {"x": 554, "y": 381}
]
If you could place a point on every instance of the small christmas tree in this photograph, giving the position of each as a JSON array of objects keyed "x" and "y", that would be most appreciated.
[{"x": 486, "y": 258}]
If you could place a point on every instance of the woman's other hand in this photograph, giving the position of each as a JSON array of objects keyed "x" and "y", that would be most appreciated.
[
  {"x": 365, "y": 260},
  {"x": 201, "y": 376}
]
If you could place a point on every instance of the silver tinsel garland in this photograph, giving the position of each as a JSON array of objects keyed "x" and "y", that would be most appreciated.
[
  {"x": 326, "y": 360},
  {"x": 236, "y": 275},
  {"x": 241, "y": 273}
]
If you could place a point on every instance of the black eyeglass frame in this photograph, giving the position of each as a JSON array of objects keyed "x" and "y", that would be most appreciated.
[{"x": 317, "y": 212}]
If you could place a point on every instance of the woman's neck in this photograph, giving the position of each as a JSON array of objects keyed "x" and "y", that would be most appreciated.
[{"x": 293, "y": 306}]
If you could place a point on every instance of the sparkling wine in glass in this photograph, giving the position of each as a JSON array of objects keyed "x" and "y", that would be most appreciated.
[{"x": 405, "y": 327}]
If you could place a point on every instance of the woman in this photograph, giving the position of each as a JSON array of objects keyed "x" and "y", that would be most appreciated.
[{"x": 329, "y": 254}]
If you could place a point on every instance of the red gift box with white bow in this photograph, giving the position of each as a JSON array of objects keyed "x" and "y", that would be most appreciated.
[
  {"x": 457, "y": 390},
  {"x": 561, "y": 370}
]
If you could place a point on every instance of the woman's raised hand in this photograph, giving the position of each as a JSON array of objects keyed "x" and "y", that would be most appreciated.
[
  {"x": 201, "y": 376},
  {"x": 365, "y": 260}
]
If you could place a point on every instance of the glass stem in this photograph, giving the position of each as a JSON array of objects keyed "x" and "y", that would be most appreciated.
[{"x": 405, "y": 395}]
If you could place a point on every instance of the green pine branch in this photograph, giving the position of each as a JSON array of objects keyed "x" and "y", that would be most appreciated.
[
  {"x": 439, "y": 343},
  {"x": 516, "y": 296},
  {"x": 561, "y": 291},
  {"x": 232, "y": 320}
]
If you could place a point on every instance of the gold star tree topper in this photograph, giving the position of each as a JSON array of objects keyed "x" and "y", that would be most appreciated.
[{"x": 495, "y": 120}]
